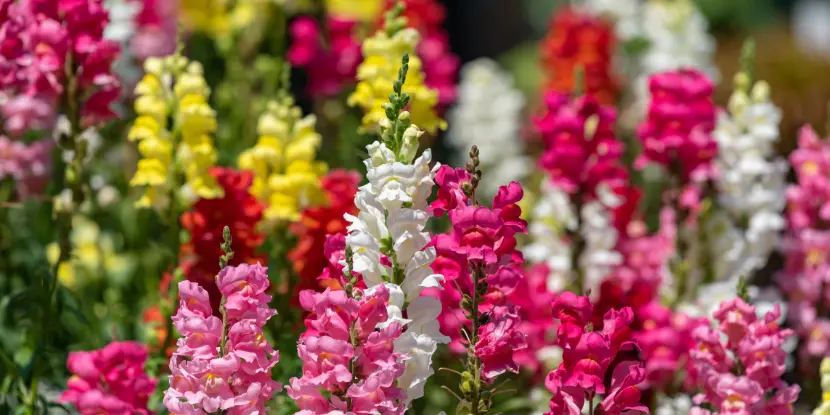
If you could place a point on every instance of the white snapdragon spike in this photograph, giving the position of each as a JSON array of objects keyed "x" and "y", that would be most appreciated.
[
  {"x": 489, "y": 115},
  {"x": 680, "y": 404},
  {"x": 599, "y": 257},
  {"x": 553, "y": 218},
  {"x": 624, "y": 13},
  {"x": 752, "y": 181},
  {"x": 388, "y": 242},
  {"x": 122, "y": 29},
  {"x": 677, "y": 37}
]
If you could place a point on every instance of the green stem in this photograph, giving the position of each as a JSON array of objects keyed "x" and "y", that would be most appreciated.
[{"x": 73, "y": 180}]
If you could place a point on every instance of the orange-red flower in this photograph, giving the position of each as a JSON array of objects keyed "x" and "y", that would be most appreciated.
[
  {"x": 308, "y": 257},
  {"x": 578, "y": 39},
  {"x": 240, "y": 211}
]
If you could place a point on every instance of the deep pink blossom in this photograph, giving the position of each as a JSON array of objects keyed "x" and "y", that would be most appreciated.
[
  {"x": 109, "y": 380},
  {"x": 581, "y": 148},
  {"x": 28, "y": 165},
  {"x": 329, "y": 67},
  {"x": 677, "y": 131},
  {"x": 590, "y": 357}
]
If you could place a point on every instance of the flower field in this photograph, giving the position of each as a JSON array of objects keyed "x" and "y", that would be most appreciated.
[{"x": 331, "y": 207}]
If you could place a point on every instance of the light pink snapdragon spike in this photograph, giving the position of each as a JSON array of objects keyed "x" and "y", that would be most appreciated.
[
  {"x": 590, "y": 356},
  {"x": 806, "y": 245},
  {"x": 206, "y": 379},
  {"x": 739, "y": 364},
  {"x": 111, "y": 380},
  {"x": 345, "y": 356}
]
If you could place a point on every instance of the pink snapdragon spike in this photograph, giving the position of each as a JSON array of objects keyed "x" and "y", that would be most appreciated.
[
  {"x": 581, "y": 148},
  {"x": 536, "y": 321},
  {"x": 39, "y": 38},
  {"x": 677, "y": 131},
  {"x": 488, "y": 237},
  {"x": 109, "y": 380},
  {"x": 806, "y": 245},
  {"x": 206, "y": 378},
  {"x": 329, "y": 68},
  {"x": 590, "y": 357},
  {"x": 156, "y": 29},
  {"x": 28, "y": 165},
  {"x": 348, "y": 352},
  {"x": 739, "y": 365}
]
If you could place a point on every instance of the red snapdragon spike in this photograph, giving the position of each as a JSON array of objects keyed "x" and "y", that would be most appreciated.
[
  {"x": 321, "y": 234},
  {"x": 237, "y": 209},
  {"x": 579, "y": 39}
]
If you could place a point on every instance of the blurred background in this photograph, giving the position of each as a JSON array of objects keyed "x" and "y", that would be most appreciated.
[{"x": 793, "y": 38}]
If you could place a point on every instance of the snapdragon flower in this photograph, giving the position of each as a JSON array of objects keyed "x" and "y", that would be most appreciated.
[
  {"x": 592, "y": 355},
  {"x": 110, "y": 380},
  {"x": 388, "y": 239},
  {"x": 739, "y": 365},
  {"x": 586, "y": 200},
  {"x": 488, "y": 114},
  {"x": 286, "y": 174},
  {"x": 480, "y": 257},
  {"x": 180, "y": 154},
  {"x": 805, "y": 246},
  {"x": 223, "y": 364},
  {"x": 378, "y": 70}
]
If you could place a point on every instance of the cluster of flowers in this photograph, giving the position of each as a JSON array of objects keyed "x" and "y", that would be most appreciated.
[
  {"x": 174, "y": 87},
  {"x": 481, "y": 241},
  {"x": 488, "y": 114},
  {"x": 587, "y": 201},
  {"x": 804, "y": 277},
  {"x": 39, "y": 39},
  {"x": 580, "y": 42},
  {"x": 286, "y": 175},
  {"x": 375, "y": 75},
  {"x": 312, "y": 252},
  {"x": 742, "y": 376},
  {"x": 205, "y": 221},
  {"x": 110, "y": 380},
  {"x": 594, "y": 362},
  {"x": 335, "y": 65},
  {"x": 223, "y": 364},
  {"x": 348, "y": 351},
  {"x": 677, "y": 133}
]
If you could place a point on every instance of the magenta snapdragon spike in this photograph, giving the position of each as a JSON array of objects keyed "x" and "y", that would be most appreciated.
[
  {"x": 40, "y": 38},
  {"x": 677, "y": 132},
  {"x": 806, "y": 245},
  {"x": 111, "y": 380},
  {"x": 329, "y": 68},
  {"x": 740, "y": 364},
  {"x": 581, "y": 148},
  {"x": 595, "y": 361},
  {"x": 223, "y": 364},
  {"x": 345, "y": 355},
  {"x": 480, "y": 262}
]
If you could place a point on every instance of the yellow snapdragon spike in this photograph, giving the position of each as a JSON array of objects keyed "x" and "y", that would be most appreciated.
[
  {"x": 205, "y": 16},
  {"x": 178, "y": 153},
  {"x": 362, "y": 10},
  {"x": 379, "y": 70},
  {"x": 286, "y": 177}
]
